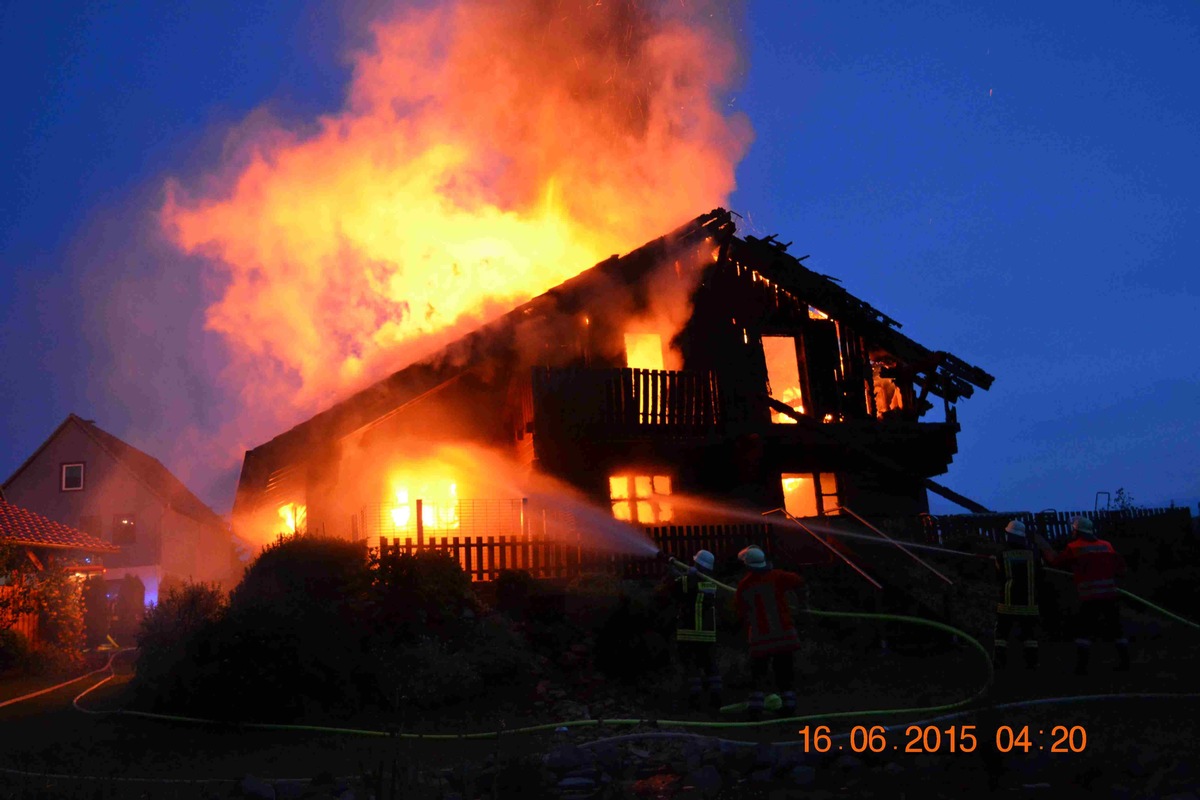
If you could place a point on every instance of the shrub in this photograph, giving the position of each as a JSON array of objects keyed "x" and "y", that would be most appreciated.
[
  {"x": 636, "y": 638},
  {"x": 423, "y": 593},
  {"x": 95, "y": 611},
  {"x": 167, "y": 636},
  {"x": 14, "y": 650}
]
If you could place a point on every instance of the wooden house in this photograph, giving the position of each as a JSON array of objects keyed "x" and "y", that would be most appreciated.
[{"x": 704, "y": 364}]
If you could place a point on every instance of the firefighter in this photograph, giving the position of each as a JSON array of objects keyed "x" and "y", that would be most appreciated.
[
  {"x": 696, "y": 631},
  {"x": 1096, "y": 567},
  {"x": 761, "y": 602},
  {"x": 1019, "y": 575}
]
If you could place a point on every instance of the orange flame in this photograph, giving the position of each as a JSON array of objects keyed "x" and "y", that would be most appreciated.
[{"x": 485, "y": 153}]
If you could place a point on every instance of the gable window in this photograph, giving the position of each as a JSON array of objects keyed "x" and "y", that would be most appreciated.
[
  {"x": 783, "y": 375},
  {"x": 810, "y": 494},
  {"x": 644, "y": 499},
  {"x": 71, "y": 479},
  {"x": 124, "y": 529}
]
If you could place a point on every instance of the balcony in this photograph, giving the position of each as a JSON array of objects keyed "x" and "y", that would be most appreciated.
[{"x": 625, "y": 403}]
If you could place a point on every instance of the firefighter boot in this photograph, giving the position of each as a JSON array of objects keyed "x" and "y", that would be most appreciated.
[
  {"x": 714, "y": 693},
  {"x": 1031, "y": 655},
  {"x": 1000, "y": 654},
  {"x": 1083, "y": 653},
  {"x": 754, "y": 708},
  {"x": 1122, "y": 656}
]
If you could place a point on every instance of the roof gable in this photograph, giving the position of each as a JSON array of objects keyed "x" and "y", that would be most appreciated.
[{"x": 147, "y": 469}]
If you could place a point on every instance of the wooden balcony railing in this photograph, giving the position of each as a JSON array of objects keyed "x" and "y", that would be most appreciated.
[{"x": 625, "y": 402}]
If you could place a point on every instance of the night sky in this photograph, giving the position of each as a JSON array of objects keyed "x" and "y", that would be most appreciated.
[{"x": 1017, "y": 185}]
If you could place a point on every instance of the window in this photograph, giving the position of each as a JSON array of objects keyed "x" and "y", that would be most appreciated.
[
  {"x": 783, "y": 375},
  {"x": 124, "y": 529},
  {"x": 72, "y": 477},
  {"x": 809, "y": 494},
  {"x": 643, "y": 351},
  {"x": 641, "y": 498}
]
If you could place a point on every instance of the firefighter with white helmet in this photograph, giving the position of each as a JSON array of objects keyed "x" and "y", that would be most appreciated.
[
  {"x": 761, "y": 602},
  {"x": 696, "y": 631},
  {"x": 1096, "y": 567},
  {"x": 1019, "y": 576}
]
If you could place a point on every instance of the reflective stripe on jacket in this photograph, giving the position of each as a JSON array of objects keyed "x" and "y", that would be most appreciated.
[
  {"x": 1095, "y": 565},
  {"x": 697, "y": 611},
  {"x": 761, "y": 602},
  {"x": 1019, "y": 572}
]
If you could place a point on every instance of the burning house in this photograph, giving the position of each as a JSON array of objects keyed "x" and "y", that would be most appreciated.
[{"x": 702, "y": 364}]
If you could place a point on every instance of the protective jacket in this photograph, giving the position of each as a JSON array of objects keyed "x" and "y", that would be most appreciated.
[
  {"x": 1018, "y": 574},
  {"x": 697, "y": 609},
  {"x": 1095, "y": 564},
  {"x": 761, "y": 601}
]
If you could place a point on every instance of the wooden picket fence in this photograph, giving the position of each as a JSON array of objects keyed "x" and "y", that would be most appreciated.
[{"x": 483, "y": 558}]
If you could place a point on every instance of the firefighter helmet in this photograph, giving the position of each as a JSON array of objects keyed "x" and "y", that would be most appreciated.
[
  {"x": 1015, "y": 528},
  {"x": 753, "y": 557},
  {"x": 704, "y": 560},
  {"x": 1084, "y": 527}
]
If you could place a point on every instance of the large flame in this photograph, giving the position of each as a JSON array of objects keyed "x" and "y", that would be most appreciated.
[{"x": 485, "y": 153}]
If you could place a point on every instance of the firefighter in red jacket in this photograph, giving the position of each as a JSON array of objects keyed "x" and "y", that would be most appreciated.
[
  {"x": 761, "y": 601},
  {"x": 1096, "y": 567}
]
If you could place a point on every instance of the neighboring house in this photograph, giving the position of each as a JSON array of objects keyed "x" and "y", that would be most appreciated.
[
  {"x": 703, "y": 363},
  {"x": 46, "y": 543},
  {"x": 85, "y": 477}
]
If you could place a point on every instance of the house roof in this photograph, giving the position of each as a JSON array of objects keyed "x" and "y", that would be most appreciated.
[
  {"x": 944, "y": 374},
  {"x": 147, "y": 469},
  {"x": 20, "y": 526}
]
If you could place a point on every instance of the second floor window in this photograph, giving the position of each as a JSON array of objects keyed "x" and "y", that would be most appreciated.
[
  {"x": 72, "y": 477},
  {"x": 810, "y": 494},
  {"x": 643, "y": 499},
  {"x": 124, "y": 529},
  {"x": 783, "y": 375}
]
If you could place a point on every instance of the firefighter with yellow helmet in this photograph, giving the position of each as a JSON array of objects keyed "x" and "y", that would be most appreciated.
[
  {"x": 1019, "y": 578},
  {"x": 696, "y": 630}
]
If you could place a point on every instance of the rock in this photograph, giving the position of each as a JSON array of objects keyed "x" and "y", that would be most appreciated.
[
  {"x": 847, "y": 762},
  {"x": 707, "y": 780},
  {"x": 346, "y": 794},
  {"x": 761, "y": 775},
  {"x": 566, "y": 758},
  {"x": 1181, "y": 796},
  {"x": 803, "y": 775},
  {"x": 1143, "y": 763},
  {"x": 576, "y": 784},
  {"x": 766, "y": 755},
  {"x": 256, "y": 788},
  {"x": 1120, "y": 791},
  {"x": 892, "y": 768},
  {"x": 607, "y": 755},
  {"x": 591, "y": 773},
  {"x": 290, "y": 790}
]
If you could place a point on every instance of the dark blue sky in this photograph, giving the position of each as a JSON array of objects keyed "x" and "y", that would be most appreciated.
[{"x": 1017, "y": 185}]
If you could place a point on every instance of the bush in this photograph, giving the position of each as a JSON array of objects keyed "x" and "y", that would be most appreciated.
[
  {"x": 168, "y": 634},
  {"x": 636, "y": 638},
  {"x": 95, "y": 612},
  {"x": 423, "y": 593},
  {"x": 14, "y": 650}
]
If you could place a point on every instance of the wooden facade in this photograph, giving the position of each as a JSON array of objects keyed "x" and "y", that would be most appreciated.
[{"x": 554, "y": 385}]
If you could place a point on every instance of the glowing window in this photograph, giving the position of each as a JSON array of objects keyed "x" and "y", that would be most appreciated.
[
  {"x": 641, "y": 498},
  {"x": 643, "y": 351},
  {"x": 888, "y": 396},
  {"x": 783, "y": 375},
  {"x": 294, "y": 518},
  {"x": 814, "y": 313},
  {"x": 124, "y": 529},
  {"x": 807, "y": 494},
  {"x": 72, "y": 478}
]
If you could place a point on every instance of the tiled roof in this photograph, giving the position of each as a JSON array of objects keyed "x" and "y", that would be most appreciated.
[{"x": 20, "y": 526}]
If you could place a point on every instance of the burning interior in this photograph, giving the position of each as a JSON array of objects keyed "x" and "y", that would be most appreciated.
[{"x": 703, "y": 363}]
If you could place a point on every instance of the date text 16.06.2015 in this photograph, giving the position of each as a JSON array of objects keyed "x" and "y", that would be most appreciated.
[{"x": 952, "y": 739}]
